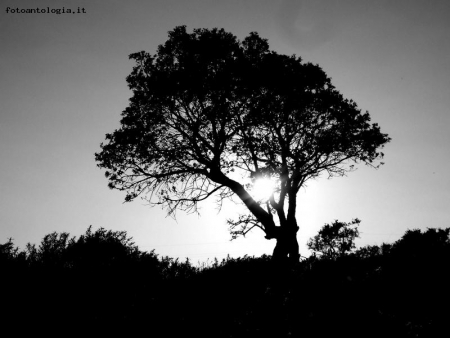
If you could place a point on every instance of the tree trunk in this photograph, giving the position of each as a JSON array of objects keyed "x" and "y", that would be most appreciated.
[{"x": 287, "y": 249}]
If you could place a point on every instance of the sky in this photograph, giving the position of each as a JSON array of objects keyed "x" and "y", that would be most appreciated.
[{"x": 62, "y": 88}]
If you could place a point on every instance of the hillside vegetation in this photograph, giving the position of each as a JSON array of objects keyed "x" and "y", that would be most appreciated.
[{"x": 101, "y": 283}]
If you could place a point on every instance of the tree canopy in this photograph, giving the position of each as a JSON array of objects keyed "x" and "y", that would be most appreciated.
[
  {"x": 336, "y": 239},
  {"x": 210, "y": 115}
]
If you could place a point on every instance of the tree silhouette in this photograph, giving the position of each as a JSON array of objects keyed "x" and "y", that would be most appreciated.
[
  {"x": 211, "y": 115},
  {"x": 335, "y": 239},
  {"x": 102, "y": 249}
]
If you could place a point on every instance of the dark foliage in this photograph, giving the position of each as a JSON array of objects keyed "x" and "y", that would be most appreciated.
[
  {"x": 210, "y": 115},
  {"x": 102, "y": 284},
  {"x": 335, "y": 239}
]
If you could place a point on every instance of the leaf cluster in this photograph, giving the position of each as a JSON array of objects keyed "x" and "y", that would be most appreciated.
[{"x": 336, "y": 239}]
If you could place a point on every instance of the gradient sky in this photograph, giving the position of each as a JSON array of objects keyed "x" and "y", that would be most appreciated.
[{"x": 62, "y": 88}]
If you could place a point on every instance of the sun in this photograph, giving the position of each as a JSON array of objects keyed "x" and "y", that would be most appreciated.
[{"x": 262, "y": 189}]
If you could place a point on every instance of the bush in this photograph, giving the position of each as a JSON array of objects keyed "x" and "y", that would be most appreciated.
[{"x": 335, "y": 239}]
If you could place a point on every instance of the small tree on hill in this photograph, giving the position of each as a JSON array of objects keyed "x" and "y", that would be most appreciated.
[
  {"x": 211, "y": 115},
  {"x": 336, "y": 239}
]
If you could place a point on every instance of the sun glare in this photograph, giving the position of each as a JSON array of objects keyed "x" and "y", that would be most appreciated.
[{"x": 263, "y": 188}]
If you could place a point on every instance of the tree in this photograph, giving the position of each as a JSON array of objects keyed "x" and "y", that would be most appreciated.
[
  {"x": 428, "y": 246},
  {"x": 212, "y": 115},
  {"x": 336, "y": 239},
  {"x": 102, "y": 249}
]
